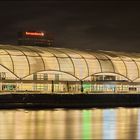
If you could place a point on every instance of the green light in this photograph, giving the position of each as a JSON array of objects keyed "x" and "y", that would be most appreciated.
[
  {"x": 86, "y": 86},
  {"x": 86, "y": 124}
]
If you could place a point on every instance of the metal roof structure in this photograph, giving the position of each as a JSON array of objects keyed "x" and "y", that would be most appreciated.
[{"x": 23, "y": 61}]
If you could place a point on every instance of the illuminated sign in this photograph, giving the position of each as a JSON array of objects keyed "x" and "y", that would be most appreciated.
[
  {"x": 34, "y": 38},
  {"x": 34, "y": 33}
]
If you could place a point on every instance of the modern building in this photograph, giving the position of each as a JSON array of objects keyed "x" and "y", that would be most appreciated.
[
  {"x": 35, "y": 38},
  {"x": 63, "y": 70}
]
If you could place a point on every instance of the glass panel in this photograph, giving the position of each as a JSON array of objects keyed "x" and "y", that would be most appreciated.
[
  {"x": 131, "y": 66},
  {"x": 102, "y": 76},
  {"x": 137, "y": 80},
  {"x": 40, "y": 51},
  {"x": 30, "y": 77},
  {"x": 36, "y": 64},
  {"x": 136, "y": 59},
  {"x": 132, "y": 71},
  {"x": 27, "y": 51},
  {"x": 93, "y": 66},
  {"x": 80, "y": 68},
  {"x": 100, "y": 56},
  {"x": 21, "y": 67},
  {"x": 116, "y": 55},
  {"x": 6, "y": 61},
  {"x": 85, "y": 54},
  {"x": 9, "y": 75},
  {"x": 66, "y": 65},
  {"x": 57, "y": 53},
  {"x": 138, "y": 64},
  {"x": 71, "y": 53},
  {"x": 62, "y": 76},
  {"x": 14, "y": 52},
  {"x": 119, "y": 67},
  {"x": 51, "y": 63},
  {"x": 66, "y": 77},
  {"x": 125, "y": 58},
  {"x": 2, "y": 52},
  {"x": 51, "y": 76},
  {"x": 43, "y": 51},
  {"x": 106, "y": 66},
  {"x": 112, "y": 56}
]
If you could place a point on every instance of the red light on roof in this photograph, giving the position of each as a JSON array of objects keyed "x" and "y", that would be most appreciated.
[{"x": 35, "y": 33}]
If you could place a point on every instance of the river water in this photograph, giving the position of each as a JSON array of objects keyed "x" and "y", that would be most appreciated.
[{"x": 116, "y": 123}]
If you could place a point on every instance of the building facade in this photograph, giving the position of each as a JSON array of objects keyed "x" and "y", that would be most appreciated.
[{"x": 63, "y": 70}]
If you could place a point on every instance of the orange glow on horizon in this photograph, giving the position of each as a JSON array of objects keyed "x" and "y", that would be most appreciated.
[{"x": 35, "y": 33}]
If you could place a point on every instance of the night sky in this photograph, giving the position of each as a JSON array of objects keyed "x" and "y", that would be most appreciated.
[{"x": 97, "y": 25}]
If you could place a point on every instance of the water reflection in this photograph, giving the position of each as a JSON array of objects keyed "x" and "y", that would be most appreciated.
[
  {"x": 127, "y": 123},
  {"x": 138, "y": 125},
  {"x": 109, "y": 124},
  {"x": 119, "y": 123}
]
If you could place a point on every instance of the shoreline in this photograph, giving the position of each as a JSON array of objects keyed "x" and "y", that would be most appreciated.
[{"x": 38, "y": 101}]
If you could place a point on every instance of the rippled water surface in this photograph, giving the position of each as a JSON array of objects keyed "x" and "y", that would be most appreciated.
[{"x": 118, "y": 123}]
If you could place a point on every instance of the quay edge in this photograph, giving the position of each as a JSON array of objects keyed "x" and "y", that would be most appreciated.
[{"x": 36, "y": 101}]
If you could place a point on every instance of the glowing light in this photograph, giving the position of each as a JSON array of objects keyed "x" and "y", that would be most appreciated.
[
  {"x": 35, "y": 33},
  {"x": 86, "y": 123}
]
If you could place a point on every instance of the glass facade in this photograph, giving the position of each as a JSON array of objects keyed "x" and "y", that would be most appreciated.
[{"x": 61, "y": 70}]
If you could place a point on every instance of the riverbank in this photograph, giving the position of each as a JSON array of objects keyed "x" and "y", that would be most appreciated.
[{"x": 68, "y": 100}]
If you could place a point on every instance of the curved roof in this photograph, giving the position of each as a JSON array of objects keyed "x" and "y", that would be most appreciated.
[{"x": 26, "y": 60}]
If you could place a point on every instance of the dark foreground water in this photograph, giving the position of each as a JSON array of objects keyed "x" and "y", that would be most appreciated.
[{"x": 118, "y": 123}]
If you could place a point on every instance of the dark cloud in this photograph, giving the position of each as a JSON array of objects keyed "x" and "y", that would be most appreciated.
[{"x": 76, "y": 24}]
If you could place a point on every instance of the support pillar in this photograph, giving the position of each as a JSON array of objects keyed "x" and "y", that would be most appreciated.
[
  {"x": 67, "y": 86},
  {"x": 82, "y": 87},
  {"x": 52, "y": 86}
]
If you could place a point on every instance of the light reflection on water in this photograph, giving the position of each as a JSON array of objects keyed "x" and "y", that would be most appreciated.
[{"x": 117, "y": 123}]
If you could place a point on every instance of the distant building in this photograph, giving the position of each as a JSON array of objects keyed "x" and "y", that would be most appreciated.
[
  {"x": 34, "y": 38},
  {"x": 48, "y": 69}
]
